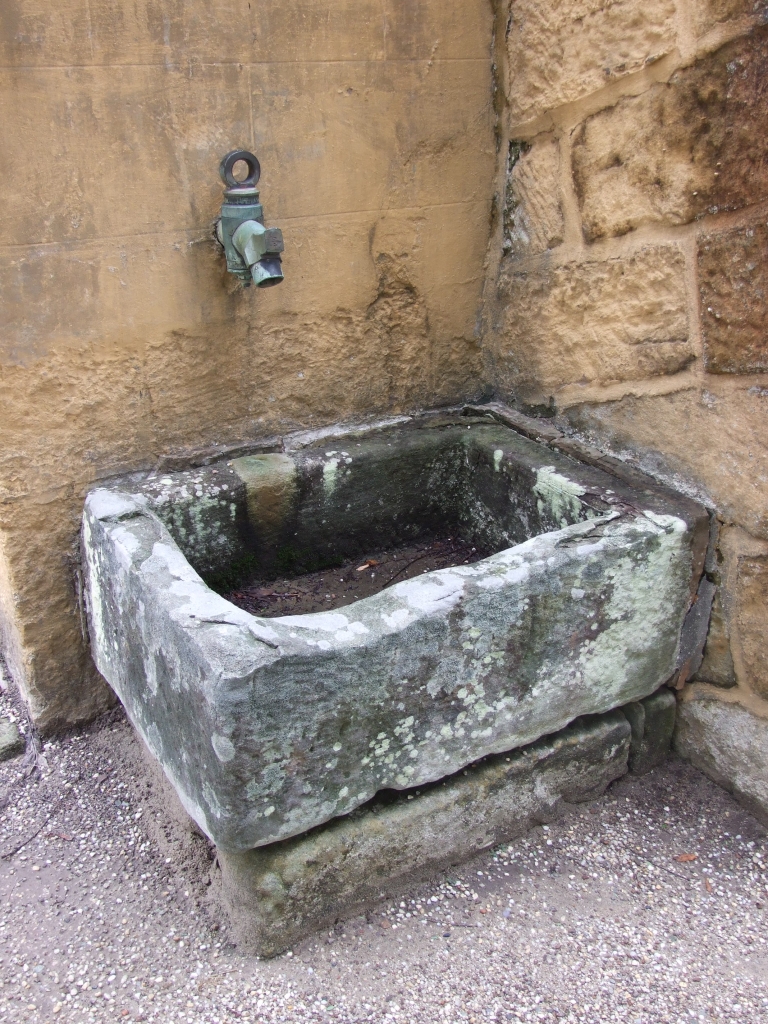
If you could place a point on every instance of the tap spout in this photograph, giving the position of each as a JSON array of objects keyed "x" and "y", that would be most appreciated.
[{"x": 260, "y": 249}]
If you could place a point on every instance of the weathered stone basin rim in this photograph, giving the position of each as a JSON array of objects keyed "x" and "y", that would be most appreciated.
[{"x": 270, "y": 727}]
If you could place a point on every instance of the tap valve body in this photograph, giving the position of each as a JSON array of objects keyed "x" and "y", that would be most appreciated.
[{"x": 252, "y": 250}]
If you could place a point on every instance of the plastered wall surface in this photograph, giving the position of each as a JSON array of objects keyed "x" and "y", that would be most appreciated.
[
  {"x": 628, "y": 292},
  {"x": 123, "y": 340}
]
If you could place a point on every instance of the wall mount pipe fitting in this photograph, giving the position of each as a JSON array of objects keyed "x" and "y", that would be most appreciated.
[{"x": 252, "y": 250}]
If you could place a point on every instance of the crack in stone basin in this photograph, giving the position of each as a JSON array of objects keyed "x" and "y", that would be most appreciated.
[{"x": 270, "y": 727}]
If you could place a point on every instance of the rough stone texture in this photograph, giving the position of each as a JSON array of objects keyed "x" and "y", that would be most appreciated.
[
  {"x": 733, "y": 286},
  {"x": 122, "y": 339},
  {"x": 594, "y": 321},
  {"x": 729, "y": 744},
  {"x": 533, "y": 211},
  {"x": 279, "y": 893},
  {"x": 711, "y": 439},
  {"x": 653, "y": 723},
  {"x": 751, "y": 602},
  {"x": 717, "y": 665},
  {"x": 560, "y": 52},
  {"x": 708, "y": 13},
  {"x": 11, "y": 742},
  {"x": 270, "y": 727},
  {"x": 695, "y": 145}
]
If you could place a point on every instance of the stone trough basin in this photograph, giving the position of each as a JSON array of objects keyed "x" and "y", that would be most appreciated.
[{"x": 269, "y": 727}]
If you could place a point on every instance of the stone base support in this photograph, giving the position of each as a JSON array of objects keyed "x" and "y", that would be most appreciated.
[
  {"x": 729, "y": 744},
  {"x": 277, "y": 894},
  {"x": 653, "y": 722}
]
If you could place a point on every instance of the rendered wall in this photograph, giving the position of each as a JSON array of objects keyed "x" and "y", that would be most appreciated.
[
  {"x": 122, "y": 339},
  {"x": 628, "y": 296}
]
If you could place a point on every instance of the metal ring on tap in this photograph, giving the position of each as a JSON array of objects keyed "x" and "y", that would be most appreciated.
[{"x": 227, "y": 164}]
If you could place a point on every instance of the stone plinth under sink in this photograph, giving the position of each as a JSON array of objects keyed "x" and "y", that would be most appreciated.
[{"x": 270, "y": 727}]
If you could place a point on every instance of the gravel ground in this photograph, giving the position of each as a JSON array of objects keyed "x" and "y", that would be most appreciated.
[{"x": 648, "y": 905}]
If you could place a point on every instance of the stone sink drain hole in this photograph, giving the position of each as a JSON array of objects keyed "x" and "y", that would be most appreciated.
[{"x": 479, "y": 694}]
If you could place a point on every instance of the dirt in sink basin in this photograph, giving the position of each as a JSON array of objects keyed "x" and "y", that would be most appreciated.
[{"x": 352, "y": 581}]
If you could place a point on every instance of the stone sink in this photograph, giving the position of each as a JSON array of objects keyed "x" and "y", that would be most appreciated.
[{"x": 268, "y": 727}]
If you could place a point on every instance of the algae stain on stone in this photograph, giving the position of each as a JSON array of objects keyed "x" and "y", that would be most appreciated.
[
  {"x": 645, "y": 589},
  {"x": 558, "y": 494},
  {"x": 196, "y": 523}
]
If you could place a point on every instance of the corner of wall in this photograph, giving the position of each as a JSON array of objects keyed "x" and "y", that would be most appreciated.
[{"x": 628, "y": 290}]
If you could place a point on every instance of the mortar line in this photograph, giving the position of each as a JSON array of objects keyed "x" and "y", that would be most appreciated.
[
  {"x": 647, "y": 387},
  {"x": 620, "y": 246},
  {"x": 573, "y": 233},
  {"x": 729, "y": 220},
  {"x": 730, "y": 384},
  {"x": 739, "y": 694},
  {"x": 695, "y": 336},
  {"x": 722, "y": 33},
  {"x": 605, "y": 249},
  {"x": 686, "y": 36},
  {"x": 569, "y": 114}
]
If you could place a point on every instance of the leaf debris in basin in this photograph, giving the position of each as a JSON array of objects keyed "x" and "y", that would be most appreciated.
[{"x": 352, "y": 581}]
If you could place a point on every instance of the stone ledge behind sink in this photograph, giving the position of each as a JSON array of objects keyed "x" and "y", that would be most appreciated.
[{"x": 270, "y": 727}]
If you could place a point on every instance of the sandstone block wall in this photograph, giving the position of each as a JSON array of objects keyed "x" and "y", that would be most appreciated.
[
  {"x": 123, "y": 340},
  {"x": 628, "y": 292}
]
